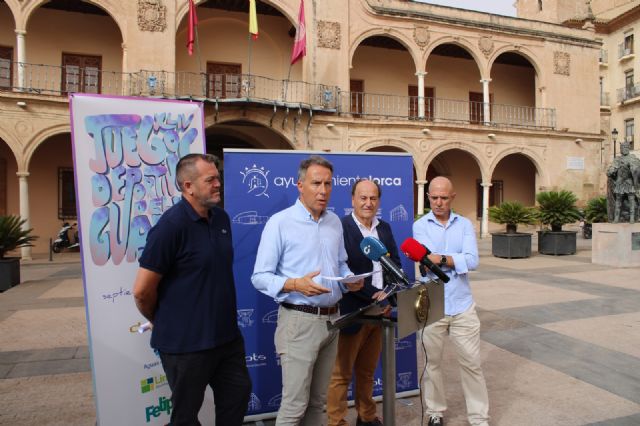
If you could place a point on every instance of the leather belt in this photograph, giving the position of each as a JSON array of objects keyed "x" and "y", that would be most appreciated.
[{"x": 316, "y": 310}]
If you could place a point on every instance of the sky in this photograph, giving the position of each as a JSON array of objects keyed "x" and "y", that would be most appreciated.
[{"x": 500, "y": 7}]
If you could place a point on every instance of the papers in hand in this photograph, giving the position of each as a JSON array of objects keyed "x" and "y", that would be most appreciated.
[{"x": 350, "y": 278}]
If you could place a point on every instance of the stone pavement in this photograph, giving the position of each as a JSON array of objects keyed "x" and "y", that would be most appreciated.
[{"x": 560, "y": 344}]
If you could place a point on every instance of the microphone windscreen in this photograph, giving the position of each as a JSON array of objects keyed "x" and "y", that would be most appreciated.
[
  {"x": 413, "y": 249},
  {"x": 373, "y": 248}
]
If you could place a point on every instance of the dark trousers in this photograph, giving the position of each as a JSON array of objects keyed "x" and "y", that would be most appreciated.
[{"x": 223, "y": 368}]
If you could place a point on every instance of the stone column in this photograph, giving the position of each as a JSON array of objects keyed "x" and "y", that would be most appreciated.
[
  {"x": 21, "y": 55},
  {"x": 421, "y": 93},
  {"x": 486, "y": 99},
  {"x": 420, "y": 207},
  {"x": 24, "y": 208},
  {"x": 484, "y": 227}
]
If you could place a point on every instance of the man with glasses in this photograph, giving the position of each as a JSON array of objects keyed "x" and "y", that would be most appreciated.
[{"x": 452, "y": 240}]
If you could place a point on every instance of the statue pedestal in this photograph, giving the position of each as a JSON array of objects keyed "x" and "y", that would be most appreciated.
[{"x": 616, "y": 244}]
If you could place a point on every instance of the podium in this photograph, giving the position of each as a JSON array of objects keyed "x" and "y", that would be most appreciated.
[{"x": 417, "y": 306}]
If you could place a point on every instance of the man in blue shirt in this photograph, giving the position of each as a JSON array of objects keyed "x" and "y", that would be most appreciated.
[
  {"x": 185, "y": 286},
  {"x": 299, "y": 246},
  {"x": 451, "y": 238}
]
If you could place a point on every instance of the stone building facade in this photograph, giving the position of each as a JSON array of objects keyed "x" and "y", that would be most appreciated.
[{"x": 505, "y": 107}]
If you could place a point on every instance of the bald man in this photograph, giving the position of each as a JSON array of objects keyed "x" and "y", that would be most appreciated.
[{"x": 452, "y": 241}]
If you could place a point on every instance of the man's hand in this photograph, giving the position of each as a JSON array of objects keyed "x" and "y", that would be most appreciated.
[
  {"x": 355, "y": 286},
  {"x": 306, "y": 286}
]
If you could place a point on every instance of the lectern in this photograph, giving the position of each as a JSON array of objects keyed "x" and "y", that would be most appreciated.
[{"x": 417, "y": 306}]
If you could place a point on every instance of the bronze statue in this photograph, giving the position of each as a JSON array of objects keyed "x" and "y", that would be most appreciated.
[{"x": 624, "y": 183}]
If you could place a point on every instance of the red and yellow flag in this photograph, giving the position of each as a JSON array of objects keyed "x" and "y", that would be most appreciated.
[{"x": 253, "y": 20}]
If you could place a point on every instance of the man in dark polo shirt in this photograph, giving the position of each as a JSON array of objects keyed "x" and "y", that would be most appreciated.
[{"x": 185, "y": 287}]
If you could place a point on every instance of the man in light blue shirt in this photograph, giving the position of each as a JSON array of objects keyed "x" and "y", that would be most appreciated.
[
  {"x": 452, "y": 241},
  {"x": 300, "y": 245}
]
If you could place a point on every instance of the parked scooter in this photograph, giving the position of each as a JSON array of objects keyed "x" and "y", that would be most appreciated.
[{"x": 63, "y": 242}]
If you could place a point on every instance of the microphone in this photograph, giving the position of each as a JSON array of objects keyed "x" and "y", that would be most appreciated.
[
  {"x": 376, "y": 251},
  {"x": 418, "y": 253}
]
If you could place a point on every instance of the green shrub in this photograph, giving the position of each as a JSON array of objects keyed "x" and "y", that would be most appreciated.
[
  {"x": 513, "y": 213},
  {"x": 12, "y": 236},
  {"x": 557, "y": 208},
  {"x": 596, "y": 210}
]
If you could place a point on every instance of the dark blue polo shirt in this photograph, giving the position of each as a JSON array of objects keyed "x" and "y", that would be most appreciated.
[{"x": 196, "y": 295}]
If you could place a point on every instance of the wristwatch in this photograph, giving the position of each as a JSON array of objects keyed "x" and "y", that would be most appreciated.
[{"x": 443, "y": 261}]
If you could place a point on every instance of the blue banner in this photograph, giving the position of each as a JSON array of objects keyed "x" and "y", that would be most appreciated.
[{"x": 259, "y": 183}]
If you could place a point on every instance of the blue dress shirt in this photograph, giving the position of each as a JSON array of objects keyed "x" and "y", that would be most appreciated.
[
  {"x": 458, "y": 240},
  {"x": 292, "y": 245}
]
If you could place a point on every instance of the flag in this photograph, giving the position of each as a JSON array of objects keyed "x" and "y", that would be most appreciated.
[
  {"x": 193, "y": 22},
  {"x": 300, "y": 42},
  {"x": 253, "y": 20}
]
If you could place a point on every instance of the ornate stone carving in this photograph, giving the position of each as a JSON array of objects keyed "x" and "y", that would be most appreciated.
[
  {"x": 23, "y": 128},
  {"x": 421, "y": 36},
  {"x": 486, "y": 45},
  {"x": 329, "y": 34},
  {"x": 561, "y": 63},
  {"x": 489, "y": 151},
  {"x": 152, "y": 15}
]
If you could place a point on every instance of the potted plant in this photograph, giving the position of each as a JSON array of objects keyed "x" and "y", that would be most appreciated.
[
  {"x": 12, "y": 236},
  {"x": 595, "y": 212},
  {"x": 557, "y": 208},
  {"x": 511, "y": 243}
]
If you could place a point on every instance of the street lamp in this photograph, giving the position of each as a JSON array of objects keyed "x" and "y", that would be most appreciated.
[{"x": 614, "y": 136}]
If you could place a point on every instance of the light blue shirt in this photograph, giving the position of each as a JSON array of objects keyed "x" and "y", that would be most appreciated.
[
  {"x": 292, "y": 245},
  {"x": 458, "y": 240}
]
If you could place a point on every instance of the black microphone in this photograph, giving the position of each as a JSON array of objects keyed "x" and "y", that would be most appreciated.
[
  {"x": 376, "y": 251},
  {"x": 418, "y": 253}
]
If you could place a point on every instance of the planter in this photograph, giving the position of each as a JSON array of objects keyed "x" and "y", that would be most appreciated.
[
  {"x": 511, "y": 245},
  {"x": 557, "y": 243},
  {"x": 9, "y": 273}
]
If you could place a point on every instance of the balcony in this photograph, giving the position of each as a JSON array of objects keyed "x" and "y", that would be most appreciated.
[
  {"x": 445, "y": 110},
  {"x": 604, "y": 99},
  {"x": 56, "y": 81},
  {"x": 603, "y": 59},
  {"x": 628, "y": 93},
  {"x": 625, "y": 51}
]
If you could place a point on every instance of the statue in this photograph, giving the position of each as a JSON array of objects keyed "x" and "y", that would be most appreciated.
[{"x": 624, "y": 185}]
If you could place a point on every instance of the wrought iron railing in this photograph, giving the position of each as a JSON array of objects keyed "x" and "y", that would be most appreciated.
[
  {"x": 445, "y": 110},
  {"x": 59, "y": 80},
  {"x": 604, "y": 99},
  {"x": 628, "y": 92}
]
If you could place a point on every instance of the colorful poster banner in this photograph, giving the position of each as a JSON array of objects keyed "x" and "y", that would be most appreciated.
[
  {"x": 125, "y": 152},
  {"x": 259, "y": 183}
]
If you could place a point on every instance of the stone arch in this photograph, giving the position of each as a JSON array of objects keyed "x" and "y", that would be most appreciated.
[
  {"x": 536, "y": 159},
  {"x": 112, "y": 7},
  {"x": 522, "y": 51},
  {"x": 261, "y": 119},
  {"x": 392, "y": 33},
  {"x": 288, "y": 11},
  {"x": 12, "y": 143},
  {"x": 474, "y": 152},
  {"x": 396, "y": 143},
  {"x": 38, "y": 139},
  {"x": 14, "y": 9},
  {"x": 466, "y": 45}
]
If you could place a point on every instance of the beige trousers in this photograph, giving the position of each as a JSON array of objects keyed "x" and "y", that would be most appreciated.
[
  {"x": 464, "y": 333},
  {"x": 307, "y": 354}
]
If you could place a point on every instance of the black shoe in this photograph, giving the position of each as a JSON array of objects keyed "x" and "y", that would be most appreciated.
[
  {"x": 436, "y": 421},
  {"x": 374, "y": 422}
]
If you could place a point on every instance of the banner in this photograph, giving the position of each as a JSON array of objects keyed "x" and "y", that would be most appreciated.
[
  {"x": 125, "y": 152},
  {"x": 259, "y": 183}
]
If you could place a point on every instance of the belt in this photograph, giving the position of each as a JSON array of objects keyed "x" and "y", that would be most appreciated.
[{"x": 316, "y": 310}]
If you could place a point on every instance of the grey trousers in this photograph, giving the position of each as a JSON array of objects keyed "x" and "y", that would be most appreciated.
[{"x": 307, "y": 355}]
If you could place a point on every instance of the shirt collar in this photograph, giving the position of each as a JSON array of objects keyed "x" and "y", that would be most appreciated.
[
  {"x": 432, "y": 218},
  {"x": 190, "y": 211},
  {"x": 302, "y": 212},
  {"x": 374, "y": 222}
]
